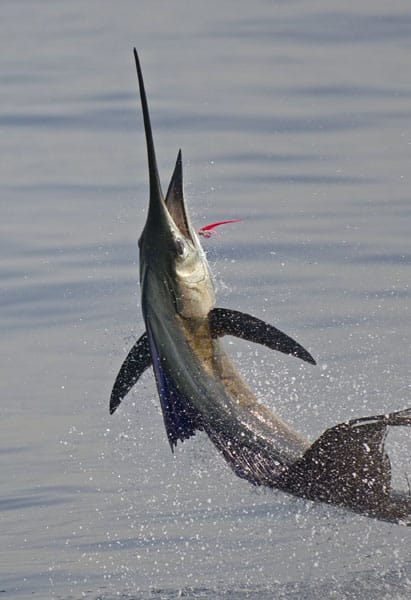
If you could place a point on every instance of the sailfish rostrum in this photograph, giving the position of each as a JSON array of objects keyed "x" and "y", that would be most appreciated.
[{"x": 200, "y": 389}]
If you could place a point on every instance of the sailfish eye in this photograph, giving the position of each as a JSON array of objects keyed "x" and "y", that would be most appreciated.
[{"x": 179, "y": 246}]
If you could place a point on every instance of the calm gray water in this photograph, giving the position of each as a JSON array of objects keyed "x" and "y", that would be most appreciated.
[{"x": 294, "y": 117}]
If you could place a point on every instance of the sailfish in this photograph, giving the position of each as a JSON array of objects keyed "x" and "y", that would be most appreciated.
[{"x": 200, "y": 389}]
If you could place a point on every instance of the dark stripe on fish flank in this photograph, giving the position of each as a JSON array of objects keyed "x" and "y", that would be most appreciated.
[
  {"x": 255, "y": 465},
  {"x": 180, "y": 419}
]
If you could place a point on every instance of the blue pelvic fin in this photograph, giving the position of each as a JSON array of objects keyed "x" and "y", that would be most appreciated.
[{"x": 181, "y": 420}]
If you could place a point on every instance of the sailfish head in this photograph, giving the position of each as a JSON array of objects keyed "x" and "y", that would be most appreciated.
[{"x": 173, "y": 265}]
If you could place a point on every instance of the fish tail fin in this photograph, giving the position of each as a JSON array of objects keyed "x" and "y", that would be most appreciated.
[{"x": 348, "y": 465}]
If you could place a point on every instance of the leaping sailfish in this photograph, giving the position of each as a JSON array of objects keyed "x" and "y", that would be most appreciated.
[{"x": 200, "y": 389}]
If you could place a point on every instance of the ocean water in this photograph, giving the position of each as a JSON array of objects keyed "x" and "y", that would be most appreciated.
[{"x": 293, "y": 117}]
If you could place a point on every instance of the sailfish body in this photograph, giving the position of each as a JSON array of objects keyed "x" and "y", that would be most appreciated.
[{"x": 200, "y": 389}]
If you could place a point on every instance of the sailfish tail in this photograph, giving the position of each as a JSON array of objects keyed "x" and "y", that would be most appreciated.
[{"x": 348, "y": 465}]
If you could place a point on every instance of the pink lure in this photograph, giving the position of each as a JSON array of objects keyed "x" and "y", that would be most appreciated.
[{"x": 207, "y": 230}]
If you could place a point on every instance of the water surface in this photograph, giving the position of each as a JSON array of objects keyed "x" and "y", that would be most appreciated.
[{"x": 295, "y": 118}]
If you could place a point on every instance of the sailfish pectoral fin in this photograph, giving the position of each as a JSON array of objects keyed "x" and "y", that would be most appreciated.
[
  {"x": 224, "y": 321},
  {"x": 136, "y": 362}
]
